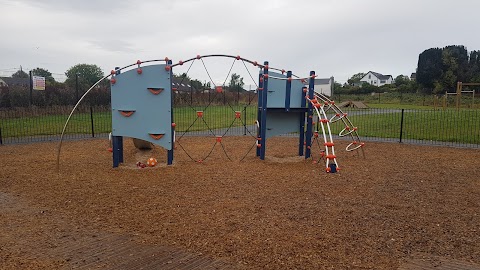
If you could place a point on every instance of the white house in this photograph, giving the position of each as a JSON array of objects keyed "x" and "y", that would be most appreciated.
[
  {"x": 377, "y": 79},
  {"x": 324, "y": 86}
]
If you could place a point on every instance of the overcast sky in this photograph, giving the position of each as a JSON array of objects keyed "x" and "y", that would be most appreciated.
[{"x": 334, "y": 38}]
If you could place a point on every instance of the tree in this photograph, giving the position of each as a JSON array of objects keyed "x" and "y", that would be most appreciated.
[
  {"x": 429, "y": 68},
  {"x": 356, "y": 78},
  {"x": 473, "y": 72},
  {"x": 236, "y": 82},
  {"x": 43, "y": 73},
  {"x": 87, "y": 75},
  {"x": 455, "y": 66},
  {"x": 401, "y": 80},
  {"x": 20, "y": 74}
]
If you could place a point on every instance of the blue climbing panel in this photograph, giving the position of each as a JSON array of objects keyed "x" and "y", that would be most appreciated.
[
  {"x": 277, "y": 92},
  {"x": 141, "y": 105},
  {"x": 281, "y": 123}
]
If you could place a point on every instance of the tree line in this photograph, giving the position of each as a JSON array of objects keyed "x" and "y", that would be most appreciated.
[
  {"x": 439, "y": 69},
  {"x": 80, "y": 78}
]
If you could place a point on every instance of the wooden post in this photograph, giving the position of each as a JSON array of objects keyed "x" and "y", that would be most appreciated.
[{"x": 459, "y": 94}]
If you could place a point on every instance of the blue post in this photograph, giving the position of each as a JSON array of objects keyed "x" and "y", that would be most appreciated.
[
  {"x": 116, "y": 150},
  {"x": 172, "y": 129},
  {"x": 117, "y": 141},
  {"x": 302, "y": 123},
  {"x": 263, "y": 124},
  {"x": 311, "y": 85},
  {"x": 260, "y": 100},
  {"x": 288, "y": 92}
]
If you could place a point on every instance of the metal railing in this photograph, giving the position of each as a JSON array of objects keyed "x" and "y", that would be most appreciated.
[{"x": 449, "y": 127}]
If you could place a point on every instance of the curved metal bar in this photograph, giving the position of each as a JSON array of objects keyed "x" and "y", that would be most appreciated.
[
  {"x": 348, "y": 149},
  {"x": 218, "y": 55},
  {"x": 341, "y": 134},
  {"x": 255, "y": 63},
  {"x": 346, "y": 121},
  {"x": 70, "y": 115}
]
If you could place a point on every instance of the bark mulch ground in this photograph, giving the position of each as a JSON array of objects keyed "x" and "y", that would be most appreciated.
[{"x": 379, "y": 212}]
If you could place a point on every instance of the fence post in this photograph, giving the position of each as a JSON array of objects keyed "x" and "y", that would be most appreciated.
[
  {"x": 91, "y": 121},
  {"x": 401, "y": 126},
  {"x": 31, "y": 87},
  {"x": 244, "y": 121}
]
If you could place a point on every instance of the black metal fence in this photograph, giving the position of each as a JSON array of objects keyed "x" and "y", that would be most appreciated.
[{"x": 450, "y": 127}]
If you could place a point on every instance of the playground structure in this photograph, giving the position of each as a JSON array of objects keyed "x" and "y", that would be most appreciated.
[
  {"x": 459, "y": 92},
  {"x": 142, "y": 108}
]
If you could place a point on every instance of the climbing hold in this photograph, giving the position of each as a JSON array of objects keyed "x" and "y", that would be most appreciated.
[
  {"x": 127, "y": 113},
  {"x": 155, "y": 91},
  {"x": 156, "y": 136}
]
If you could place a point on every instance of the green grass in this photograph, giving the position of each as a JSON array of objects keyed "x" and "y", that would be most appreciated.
[{"x": 214, "y": 117}]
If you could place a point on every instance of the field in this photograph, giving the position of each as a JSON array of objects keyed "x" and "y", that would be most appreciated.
[
  {"x": 450, "y": 125},
  {"x": 399, "y": 205}
]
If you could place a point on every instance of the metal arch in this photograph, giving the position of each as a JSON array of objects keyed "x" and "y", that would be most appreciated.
[
  {"x": 255, "y": 63},
  {"x": 70, "y": 115}
]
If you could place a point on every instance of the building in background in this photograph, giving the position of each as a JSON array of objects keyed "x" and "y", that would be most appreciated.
[
  {"x": 377, "y": 79},
  {"x": 324, "y": 86}
]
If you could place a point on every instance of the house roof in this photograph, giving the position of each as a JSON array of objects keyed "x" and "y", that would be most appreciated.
[
  {"x": 380, "y": 76},
  {"x": 16, "y": 81},
  {"x": 182, "y": 85}
]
